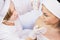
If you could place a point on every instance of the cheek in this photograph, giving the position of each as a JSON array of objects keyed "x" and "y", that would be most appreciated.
[
  {"x": 47, "y": 19},
  {"x": 14, "y": 17},
  {"x": 54, "y": 20},
  {"x": 51, "y": 20}
]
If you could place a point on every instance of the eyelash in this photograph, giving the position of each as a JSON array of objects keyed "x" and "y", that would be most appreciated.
[{"x": 45, "y": 14}]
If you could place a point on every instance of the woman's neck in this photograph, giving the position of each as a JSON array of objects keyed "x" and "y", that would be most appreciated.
[{"x": 54, "y": 28}]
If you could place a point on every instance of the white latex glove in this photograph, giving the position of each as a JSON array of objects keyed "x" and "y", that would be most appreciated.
[
  {"x": 38, "y": 30},
  {"x": 32, "y": 35}
]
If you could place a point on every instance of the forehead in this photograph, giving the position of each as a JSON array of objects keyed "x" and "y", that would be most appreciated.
[
  {"x": 43, "y": 7},
  {"x": 45, "y": 10}
]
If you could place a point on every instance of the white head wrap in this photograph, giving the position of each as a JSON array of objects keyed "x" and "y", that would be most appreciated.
[
  {"x": 53, "y": 6},
  {"x": 4, "y": 6},
  {"x": 22, "y": 6}
]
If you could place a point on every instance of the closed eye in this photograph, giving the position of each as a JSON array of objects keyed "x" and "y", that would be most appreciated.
[{"x": 45, "y": 14}]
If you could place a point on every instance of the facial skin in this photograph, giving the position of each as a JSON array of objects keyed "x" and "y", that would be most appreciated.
[
  {"x": 13, "y": 16},
  {"x": 48, "y": 16},
  {"x": 14, "y": 12}
]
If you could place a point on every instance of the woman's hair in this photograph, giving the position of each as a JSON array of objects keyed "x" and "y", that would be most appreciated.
[
  {"x": 8, "y": 15},
  {"x": 58, "y": 24}
]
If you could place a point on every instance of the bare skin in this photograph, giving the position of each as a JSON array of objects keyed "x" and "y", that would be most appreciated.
[
  {"x": 49, "y": 21},
  {"x": 53, "y": 32},
  {"x": 13, "y": 17}
]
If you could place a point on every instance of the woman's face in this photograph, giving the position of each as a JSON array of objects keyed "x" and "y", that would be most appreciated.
[
  {"x": 14, "y": 16},
  {"x": 48, "y": 17},
  {"x": 14, "y": 13}
]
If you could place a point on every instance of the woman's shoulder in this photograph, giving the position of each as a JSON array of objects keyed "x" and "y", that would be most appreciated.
[{"x": 4, "y": 28}]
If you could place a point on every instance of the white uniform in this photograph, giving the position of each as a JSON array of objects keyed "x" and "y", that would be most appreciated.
[
  {"x": 11, "y": 32},
  {"x": 29, "y": 17},
  {"x": 6, "y": 33}
]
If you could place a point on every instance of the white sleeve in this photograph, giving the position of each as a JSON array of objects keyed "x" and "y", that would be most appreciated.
[
  {"x": 29, "y": 18},
  {"x": 33, "y": 35},
  {"x": 7, "y": 34},
  {"x": 18, "y": 27},
  {"x": 37, "y": 31},
  {"x": 18, "y": 24}
]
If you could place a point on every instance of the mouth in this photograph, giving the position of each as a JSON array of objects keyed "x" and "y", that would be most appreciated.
[{"x": 44, "y": 20}]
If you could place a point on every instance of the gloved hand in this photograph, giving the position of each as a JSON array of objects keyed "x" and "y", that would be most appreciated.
[{"x": 39, "y": 30}]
